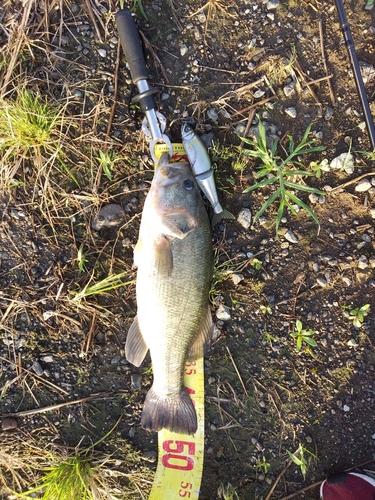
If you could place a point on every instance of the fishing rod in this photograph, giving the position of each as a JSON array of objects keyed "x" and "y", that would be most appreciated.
[{"x": 356, "y": 70}]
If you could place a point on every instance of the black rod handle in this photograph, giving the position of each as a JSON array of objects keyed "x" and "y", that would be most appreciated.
[
  {"x": 131, "y": 45},
  {"x": 357, "y": 71}
]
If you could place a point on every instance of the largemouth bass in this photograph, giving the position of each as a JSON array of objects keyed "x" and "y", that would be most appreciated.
[{"x": 174, "y": 260}]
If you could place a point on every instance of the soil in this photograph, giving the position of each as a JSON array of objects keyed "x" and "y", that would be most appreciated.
[{"x": 263, "y": 397}]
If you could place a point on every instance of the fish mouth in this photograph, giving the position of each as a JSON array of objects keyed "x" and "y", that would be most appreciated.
[{"x": 171, "y": 174}]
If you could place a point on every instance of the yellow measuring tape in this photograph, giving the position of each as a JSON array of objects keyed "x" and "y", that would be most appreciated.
[{"x": 180, "y": 458}]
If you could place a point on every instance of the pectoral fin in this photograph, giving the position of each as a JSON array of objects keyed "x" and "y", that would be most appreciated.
[
  {"x": 137, "y": 253},
  {"x": 135, "y": 346},
  {"x": 163, "y": 256},
  {"x": 202, "y": 341}
]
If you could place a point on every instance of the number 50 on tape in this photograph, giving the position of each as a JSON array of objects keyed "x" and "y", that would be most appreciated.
[{"x": 180, "y": 460}]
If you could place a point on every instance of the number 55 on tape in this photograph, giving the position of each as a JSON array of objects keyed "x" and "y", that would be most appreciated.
[{"x": 180, "y": 460}]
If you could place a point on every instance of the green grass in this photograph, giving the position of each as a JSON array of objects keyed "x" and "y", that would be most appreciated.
[
  {"x": 105, "y": 285},
  {"x": 30, "y": 129},
  {"x": 285, "y": 173}
]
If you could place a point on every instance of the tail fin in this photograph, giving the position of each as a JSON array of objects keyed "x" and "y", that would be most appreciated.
[{"x": 176, "y": 414}]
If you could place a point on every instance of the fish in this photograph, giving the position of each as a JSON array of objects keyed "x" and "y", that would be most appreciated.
[
  {"x": 200, "y": 162},
  {"x": 174, "y": 263}
]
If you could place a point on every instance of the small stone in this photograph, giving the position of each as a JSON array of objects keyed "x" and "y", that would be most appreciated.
[
  {"x": 47, "y": 359},
  {"x": 14, "y": 213},
  {"x": 7, "y": 424},
  {"x": 345, "y": 162},
  {"x": 329, "y": 113},
  {"x": 259, "y": 93},
  {"x": 272, "y": 4},
  {"x": 223, "y": 313},
  {"x": 362, "y": 262},
  {"x": 363, "y": 185},
  {"x": 262, "y": 404},
  {"x": 321, "y": 281},
  {"x": 183, "y": 50},
  {"x": 366, "y": 238},
  {"x": 37, "y": 368},
  {"x": 240, "y": 129},
  {"x": 289, "y": 89},
  {"x": 292, "y": 112},
  {"x": 64, "y": 40},
  {"x": 347, "y": 281},
  {"x": 367, "y": 71},
  {"x": 237, "y": 278},
  {"x": 352, "y": 343},
  {"x": 314, "y": 198},
  {"x": 346, "y": 408},
  {"x": 115, "y": 360},
  {"x": 244, "y": 218},
  {"x": 150, "y": 456},
  {"x": 102, "y": 52},
  {"x": 372, "y": 212},
  {"x": 212, "y": 115},
  {"x": 108, "y": 216},
  {"x": 290, "y": 236},
  {"x": 136, "y": 381}
]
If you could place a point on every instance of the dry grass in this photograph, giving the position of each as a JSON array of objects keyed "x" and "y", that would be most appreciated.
[{"x": 55, "y": 125}]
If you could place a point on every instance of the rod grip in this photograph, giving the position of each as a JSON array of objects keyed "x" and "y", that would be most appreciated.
[{"x": 131, "y": 45}]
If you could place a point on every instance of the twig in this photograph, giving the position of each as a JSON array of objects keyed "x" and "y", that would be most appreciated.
[
  {"x": 259, "y": 103},
  {"x": 24, "y": 413},
  {"x": 114, "y": 97},
  {"x": 289, "y": 463},
  {"x": 150, "y": 47},
  {"x": 332, "y": 95},
  {"x": 21, "y": 36},
  {"x": 351, "y": 182},
  {"x": 304, "y": 79},
  {"x": 248, "y": 125},
  {"x": 238, "y": 373},
  {"x": 92, "y": 17},
  {"x": 318, "y": 80}
]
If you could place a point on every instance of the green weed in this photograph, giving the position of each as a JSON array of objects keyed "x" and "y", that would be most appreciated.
[
  {"x": 266, "y": 309},
  {"x": 301, "y": 335},
  {"x": 278, "y": 171},
  {"x": 105, "y": 285},
  {"x": 81, "y": 260},
  {"x": 137, "y": 4},
  {"x": 263, "y": 465},
  {"x": 358, "y": 314},
  {"x": 319, "y": 166},
  {"x": 227, "y": 492},
  {"x": 300, "y": 460}
]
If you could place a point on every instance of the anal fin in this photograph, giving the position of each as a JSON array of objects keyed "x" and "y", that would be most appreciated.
[{"x": 135, "y": 346}]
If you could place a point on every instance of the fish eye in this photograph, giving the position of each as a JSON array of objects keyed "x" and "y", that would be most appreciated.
[{"x": 188, "y": 184}]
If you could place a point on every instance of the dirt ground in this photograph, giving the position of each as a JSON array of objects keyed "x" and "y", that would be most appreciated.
[{"x": 263, "y": 397}]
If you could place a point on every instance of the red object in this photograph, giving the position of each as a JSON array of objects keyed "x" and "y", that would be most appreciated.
[{"x": 351, "y": 486}]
